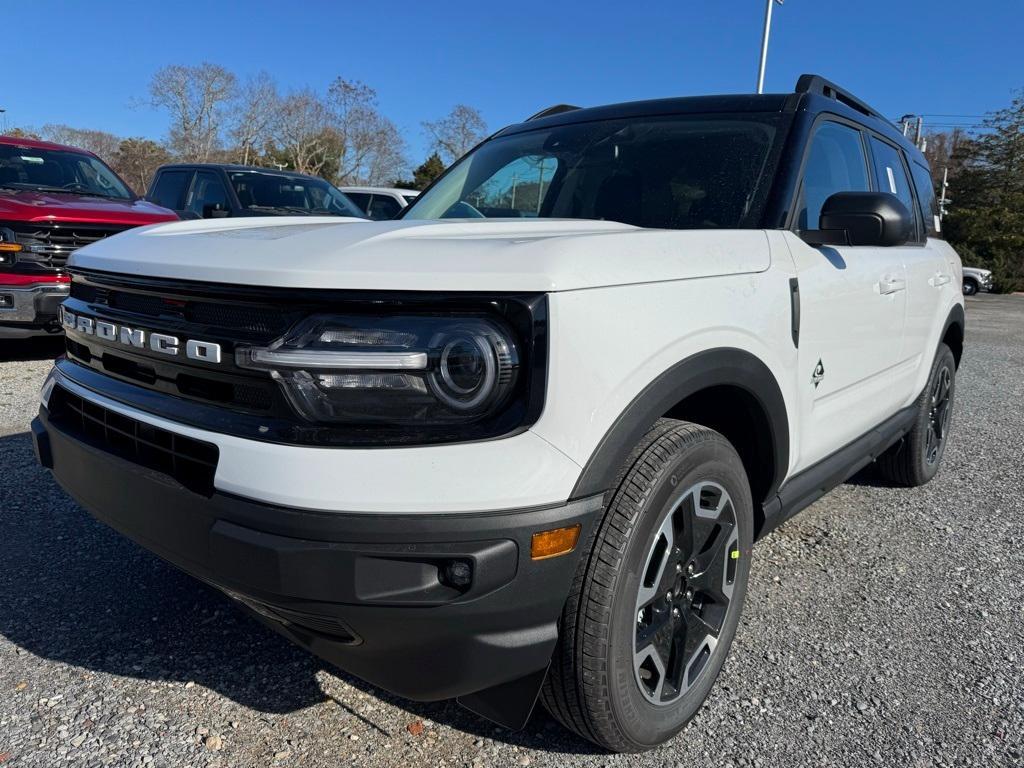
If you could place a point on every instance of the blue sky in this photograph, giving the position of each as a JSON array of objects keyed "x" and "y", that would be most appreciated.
[{"x": 88, "y": 63}]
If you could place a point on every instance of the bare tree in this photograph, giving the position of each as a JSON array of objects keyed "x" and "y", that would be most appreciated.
[
  {"x": 255, "y": 112},
  {"x": 21, "y": 133},
  {"x": 371, "y": 149},
  {"x": 942, "y": 150},
  {"x": 303, "y": 130},
  {"x": 196, "y": 98},
  {"x": 136, "y": 161},
  {"x": 98, "y": 142},
  {"x": 454, "y": 135}
]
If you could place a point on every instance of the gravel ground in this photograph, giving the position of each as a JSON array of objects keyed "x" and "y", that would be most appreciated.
[{"x": 883, "y": 626}]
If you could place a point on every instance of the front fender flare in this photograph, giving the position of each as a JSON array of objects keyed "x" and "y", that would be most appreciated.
[{"x": 714, "y": 367}]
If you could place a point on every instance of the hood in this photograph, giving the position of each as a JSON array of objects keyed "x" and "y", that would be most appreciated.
[
  {"x": 448, "y": 255},
  {"x": 32, "y": 206}
]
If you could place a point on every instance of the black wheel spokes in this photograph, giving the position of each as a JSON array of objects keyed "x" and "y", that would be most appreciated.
[
  {"x": 938, "y": 416},
  {"x": 685, "y": 590}
]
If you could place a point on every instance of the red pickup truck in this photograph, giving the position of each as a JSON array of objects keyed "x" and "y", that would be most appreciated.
[{"x": 54, "y": 199}]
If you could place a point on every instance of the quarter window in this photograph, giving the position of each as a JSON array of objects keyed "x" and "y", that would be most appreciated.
[
  {"x": 926, "y": 198},
  {"x": 836, "y": 163}
]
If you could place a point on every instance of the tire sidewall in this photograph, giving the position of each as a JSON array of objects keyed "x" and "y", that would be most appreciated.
[
  {"x": 642, "y": 722},
  {"x": 926, "y": 471}
]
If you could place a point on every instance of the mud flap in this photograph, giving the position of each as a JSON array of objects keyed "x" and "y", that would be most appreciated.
[{"x": 509, "y": 704}]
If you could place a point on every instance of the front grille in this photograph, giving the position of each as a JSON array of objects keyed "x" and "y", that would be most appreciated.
[
  {"x": 263, "y": 320},
  {"x": 50, "y": 245},
  {"x": 222, "y": 396},
  {"x": 193, "y": 463}
]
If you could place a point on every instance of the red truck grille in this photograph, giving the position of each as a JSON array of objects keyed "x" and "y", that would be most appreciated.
[{"x": 50, "y": 245}]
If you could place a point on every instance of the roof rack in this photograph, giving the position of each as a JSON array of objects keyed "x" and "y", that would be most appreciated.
[
  {"x": 555, "y": 110},
  {"x": 818, "y": 84}
]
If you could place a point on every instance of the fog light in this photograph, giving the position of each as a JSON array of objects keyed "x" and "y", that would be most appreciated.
[
  {"x": 6, "y": 301},
  {"x": 559, "y": 541},
  {"x": 458, "y": 574}
]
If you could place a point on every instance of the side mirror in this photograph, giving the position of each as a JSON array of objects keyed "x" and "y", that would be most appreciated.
[
  {"x": 215, "y": 211},
  {"x": 862, "y": 218}
]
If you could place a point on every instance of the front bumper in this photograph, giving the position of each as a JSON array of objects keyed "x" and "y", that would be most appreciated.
[
  {"x": 31, "y": 309},
  {"x": 371, "y": 593}
]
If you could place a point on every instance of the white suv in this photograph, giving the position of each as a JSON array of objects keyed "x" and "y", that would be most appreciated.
[
  {"x": 381, "y": 202},
  {"x": 521, "y": 441}
]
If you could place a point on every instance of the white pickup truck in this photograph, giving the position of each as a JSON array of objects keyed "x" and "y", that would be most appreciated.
[{"x": 520, "y": 441}]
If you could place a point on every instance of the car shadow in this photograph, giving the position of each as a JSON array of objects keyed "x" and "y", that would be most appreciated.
[
  {"x": 72, "y": 590},
  {"x": 35, "y": 348}
]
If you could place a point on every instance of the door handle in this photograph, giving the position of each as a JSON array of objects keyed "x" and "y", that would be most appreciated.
[
  {"x": 940, "y": 279},
  {"x": 891, "y": 284}
]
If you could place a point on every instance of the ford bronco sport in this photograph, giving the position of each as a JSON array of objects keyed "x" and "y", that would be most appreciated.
[
  {"x": 520, "y": 441},
  {"x": 54, "y": 199}
]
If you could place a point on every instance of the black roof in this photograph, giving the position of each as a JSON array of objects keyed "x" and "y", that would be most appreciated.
[
  {"x": 240, "y": 167},
  {"x": 813, "y": 93}
]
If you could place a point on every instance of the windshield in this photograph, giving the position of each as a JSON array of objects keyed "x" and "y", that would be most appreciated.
[
  {"x": 295, "y": 194},
  {"x": 59, "y": 170},
  {"x": 677, "y": 172}
]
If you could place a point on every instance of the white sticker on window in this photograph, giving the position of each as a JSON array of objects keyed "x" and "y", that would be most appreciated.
[
  {"x": 892, "y": 180},
  {"x": 938, "y": 223}
]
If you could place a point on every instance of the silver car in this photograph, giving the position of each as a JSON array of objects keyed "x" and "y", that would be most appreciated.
[{"x": 976, "y": 279}]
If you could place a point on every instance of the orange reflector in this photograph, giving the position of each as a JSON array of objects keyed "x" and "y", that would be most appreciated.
[
  {"x": 15, "y": 247},
  {"x": 553, "y": 543}
]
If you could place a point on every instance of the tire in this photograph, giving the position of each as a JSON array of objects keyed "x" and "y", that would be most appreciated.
[
  {"x": 970, "y": 287},
  {"x": 915, "y": 459},
  {"x": 682, "y": 481}
]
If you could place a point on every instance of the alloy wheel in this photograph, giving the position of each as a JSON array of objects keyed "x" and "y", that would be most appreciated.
[
  {"x": 938, "y": 416},
  {"x": 685, "y": 592}
]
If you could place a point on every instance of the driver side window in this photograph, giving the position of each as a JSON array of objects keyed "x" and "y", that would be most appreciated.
[
  {"x": 835, "y": 163},
  {"x": 208, "y": 195}
]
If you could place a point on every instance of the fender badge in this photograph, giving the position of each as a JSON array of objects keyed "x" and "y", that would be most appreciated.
[{"x": 818, "y": 375}]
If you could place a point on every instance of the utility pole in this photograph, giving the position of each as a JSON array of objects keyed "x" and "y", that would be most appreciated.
[
  {"x": 918, "y": 129},
  {"x": 764, "y": 43},
  {"x": 905, "y": 123},
  {"x": 942, "y": 198}
]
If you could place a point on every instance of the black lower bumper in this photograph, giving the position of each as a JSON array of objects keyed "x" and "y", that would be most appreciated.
[{"x": 375, "y": 594}]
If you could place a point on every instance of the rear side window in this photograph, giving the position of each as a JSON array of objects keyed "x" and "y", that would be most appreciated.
[
  {"x": 836, "y": 163},
  {"x": 169, "y": 190},
  {"x": 891, "y": 174},
  {"x": 926, "y": 199}
]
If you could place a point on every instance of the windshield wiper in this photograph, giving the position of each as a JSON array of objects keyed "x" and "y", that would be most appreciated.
[
  {"x": 289, "y": 209},
  {"x": 60, "y": 190}
]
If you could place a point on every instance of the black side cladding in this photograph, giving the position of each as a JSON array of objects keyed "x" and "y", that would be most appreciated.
[{"x": 794, "y": 308}]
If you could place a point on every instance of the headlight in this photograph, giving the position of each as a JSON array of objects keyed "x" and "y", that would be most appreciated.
[{"x": 396, "y": 370}]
